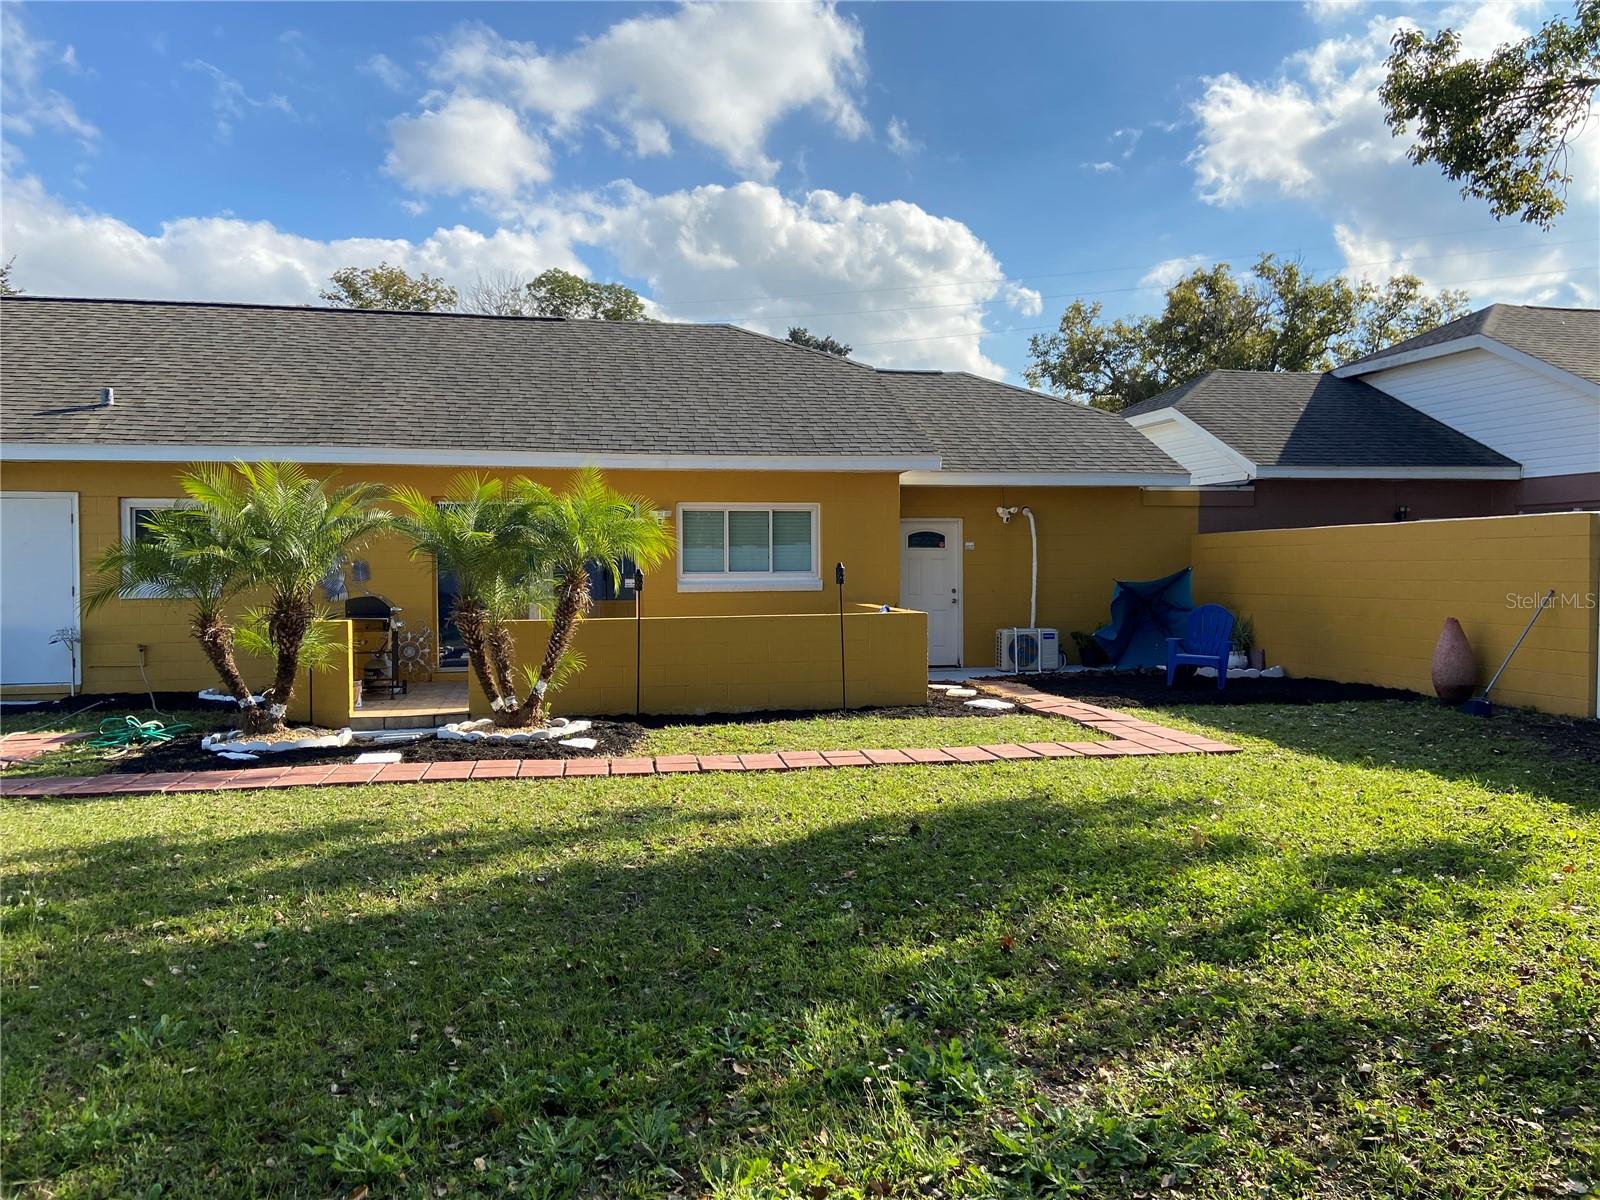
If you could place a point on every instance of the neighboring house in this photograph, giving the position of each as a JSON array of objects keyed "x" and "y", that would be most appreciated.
[
  {"x": 774, "y": 462},
  {"x": 1496, "y": 412}
]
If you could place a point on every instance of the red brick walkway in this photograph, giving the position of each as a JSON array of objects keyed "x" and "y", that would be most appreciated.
[
  {"x": 1129, "y": 736},
  {"x": 20, "y": 747}
]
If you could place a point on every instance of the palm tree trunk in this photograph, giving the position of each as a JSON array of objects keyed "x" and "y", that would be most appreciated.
[
  {"x": 216, "y": 642},
  {"x": 501, "y": 650},
  {"x": 287, "y": 625},
  {"x": 471, "y": 620},
  {"x": 572, "y": 602}
]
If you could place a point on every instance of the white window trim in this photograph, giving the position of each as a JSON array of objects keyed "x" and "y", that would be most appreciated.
[
  {"x": 129, "y": 505},
  {"x": 752, "y": 581}
]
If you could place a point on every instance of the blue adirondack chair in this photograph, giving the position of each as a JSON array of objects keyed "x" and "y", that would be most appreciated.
[{"x": 1206, "y": 642}]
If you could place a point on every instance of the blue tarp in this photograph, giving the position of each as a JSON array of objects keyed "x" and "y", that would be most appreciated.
[{"x": 1144, "y": 614}]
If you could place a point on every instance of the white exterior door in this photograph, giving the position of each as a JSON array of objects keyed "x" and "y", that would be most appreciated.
[
  {"x": 930, "y": 581},
  {"x": 38, "y": 586}
]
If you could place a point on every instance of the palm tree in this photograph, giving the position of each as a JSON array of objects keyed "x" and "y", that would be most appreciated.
[
  {"x": 187, "y": 556},
  {"x": 293, "y": 533},
  {"x": 483, "y": 538},
  {"x": 588, "y": 523}
]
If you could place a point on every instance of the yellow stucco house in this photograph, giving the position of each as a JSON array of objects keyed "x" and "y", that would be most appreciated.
[{"x": 774, "y": 463}]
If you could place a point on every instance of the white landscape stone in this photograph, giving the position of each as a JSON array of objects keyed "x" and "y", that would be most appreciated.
[
  {"x": 989, "y": 705},
  {"x": 484, "y": 731},
  {"x": 226, "y": 743},
  {"x": 379, "y": 756},
  {"x": 580, "y": 743},
  {"x": 229, "y": 754},
  {"x": 961, "y": 691}
]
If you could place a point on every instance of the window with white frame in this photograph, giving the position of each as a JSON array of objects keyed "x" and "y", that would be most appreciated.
[
  {"x": 748, "y": 547},
  {"x": 134, "y": 514}
]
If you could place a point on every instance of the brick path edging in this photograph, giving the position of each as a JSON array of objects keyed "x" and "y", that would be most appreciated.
[{"x": 1129, "y": 736}]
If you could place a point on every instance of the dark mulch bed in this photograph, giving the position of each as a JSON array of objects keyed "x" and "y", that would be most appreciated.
[
  {"x": 614, "y": 739},
  {"x": 1148, "y": 689},
  {"x": 122, "y": 701}
]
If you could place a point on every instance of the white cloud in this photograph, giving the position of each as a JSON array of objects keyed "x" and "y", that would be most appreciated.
[
  {"x": 1100, "y": 168},
  {"x": 387, "y": 72},
  {"x": 1314, "y": 135},
  {"x": 1130, "y": 136},
  {"x": 721, "y": 74},
  {"x": 229, "y": 100},
  {"x": 901, "y": 143},
  {"x": 892, "y": 279},
  {"x": 29, "y": 104},
  {"x": 65, "y": 250},
  {"x": 1331, "y": 12},
  {"x": 466, "y": 144},
  {"x": 1169, "y": 270}
]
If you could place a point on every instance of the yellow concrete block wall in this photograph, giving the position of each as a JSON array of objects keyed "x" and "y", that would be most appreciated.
[
  {"x": 326, "y": 696},
  {"x": 1365, "y": 603},
  {"x": 857, "y": 523},
  {"x": 1088, "y": 539},
  {"x": 735, "y": 663}
]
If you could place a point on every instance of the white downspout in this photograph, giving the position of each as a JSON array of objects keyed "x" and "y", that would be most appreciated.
[{"x": 1033, "y": 579}]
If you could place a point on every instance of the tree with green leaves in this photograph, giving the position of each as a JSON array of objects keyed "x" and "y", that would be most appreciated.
[
  {"x": 291, "y": 533},
  {"x": 1278, "y": 318},
  {"x": 554, "y": 293},
  {"x": 190, "y": 555},
  {"x": 7, "y": 288},
  {"x": 801, "y": 336},
  {"x": 483, "y": 537},
  {"x": 589, "y": 522},
  {"x": 1502, "y": 124},
  {"x": 388, "y": 287}
]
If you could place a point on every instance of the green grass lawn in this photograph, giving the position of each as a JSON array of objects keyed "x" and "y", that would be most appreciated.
[
  {"x": 834, "y": 731},
  {"x": 1359, "y": 959}
]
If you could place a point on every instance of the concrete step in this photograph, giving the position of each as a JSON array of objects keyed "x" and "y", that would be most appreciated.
[{"x": 408, "y": 720}]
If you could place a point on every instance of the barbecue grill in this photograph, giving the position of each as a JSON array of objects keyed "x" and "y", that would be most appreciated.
[{"x": 376, "y": 626}]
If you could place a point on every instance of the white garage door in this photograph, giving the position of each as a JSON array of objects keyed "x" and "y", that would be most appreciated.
[{"x": 38, "y": 586}]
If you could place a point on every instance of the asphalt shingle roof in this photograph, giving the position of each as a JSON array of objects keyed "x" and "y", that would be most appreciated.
[
  {"x": 1568, "y": 338},
  {"x": 248, "y": 376},
  {"x": 977, "y": 424},
  {"x": 261, "y": 376},
  {"x": 1295, "y": 419}
]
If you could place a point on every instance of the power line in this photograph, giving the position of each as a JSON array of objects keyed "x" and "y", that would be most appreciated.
[
  {"x": 932, "y": 337},
  {"x": 914, "y": 287}
]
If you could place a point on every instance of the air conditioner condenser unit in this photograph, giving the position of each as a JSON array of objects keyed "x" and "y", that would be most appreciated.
[{"x": 1020, "y": 649}]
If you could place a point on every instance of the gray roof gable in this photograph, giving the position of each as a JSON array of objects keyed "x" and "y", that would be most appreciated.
[
  {"x": 259, "y": 376},
  {"x": 1307, "y": 420},
  {"x": 980, "y": 425},
  {"x": 404, "y": 387},
  {"x": 1568, "y": 338}
]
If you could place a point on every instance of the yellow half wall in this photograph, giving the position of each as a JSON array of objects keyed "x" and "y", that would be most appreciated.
[
  {"x": 1365, "y": 603},
  {"x": 697, "y": 665}
]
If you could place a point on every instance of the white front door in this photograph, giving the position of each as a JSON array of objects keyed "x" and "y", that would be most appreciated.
[
  {"x": 930, "y": 581},
  {"x": 38, "y": 586}
]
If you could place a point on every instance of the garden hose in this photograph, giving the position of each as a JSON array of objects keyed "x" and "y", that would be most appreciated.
[{"x": 121, "y": 734}]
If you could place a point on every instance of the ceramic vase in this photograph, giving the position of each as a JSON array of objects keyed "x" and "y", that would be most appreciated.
[{"x": 1453, "y": 669}]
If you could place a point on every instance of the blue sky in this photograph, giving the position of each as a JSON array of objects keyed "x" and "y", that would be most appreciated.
[{"x": 929, "y": 182}]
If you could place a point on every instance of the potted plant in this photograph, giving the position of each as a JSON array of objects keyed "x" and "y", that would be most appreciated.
[{"x": 1244, "y": 644}]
